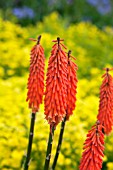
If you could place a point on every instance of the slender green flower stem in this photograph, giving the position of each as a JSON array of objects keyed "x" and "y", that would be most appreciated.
[
  {"x": 27, "y": 161},
  {"x": 59, "y": 143},
  {"x": 49, "y": 148}
]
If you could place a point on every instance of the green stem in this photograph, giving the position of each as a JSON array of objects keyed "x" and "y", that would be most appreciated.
[
  {"x": 49, "y": 148},
  {"x": 59, "y": 143},
  {"x": 27, "y": 161}
]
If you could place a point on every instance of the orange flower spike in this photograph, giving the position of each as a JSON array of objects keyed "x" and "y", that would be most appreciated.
[
  {"x": 105, "y": 112},
  {"x": 36, "y": 77},
  {"x": 93, "y": 149},
  {"x": 56, "y": 85},
  {"x": 72, "y": 86}
]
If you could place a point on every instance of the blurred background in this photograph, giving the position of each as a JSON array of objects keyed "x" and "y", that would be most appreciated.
[{"x": 87, "y": 28}]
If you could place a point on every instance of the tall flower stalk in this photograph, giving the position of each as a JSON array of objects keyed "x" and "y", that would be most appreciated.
[
  {"x": 105, "y": 113},
  {"x": 93, "y": 149},
  {"x": 71, "y": 100},
  {"x": 35, "y": 90},
  {"x": 56, "y": 92}
]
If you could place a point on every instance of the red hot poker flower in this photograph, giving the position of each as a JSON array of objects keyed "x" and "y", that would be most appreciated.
[
  {"x": 72, "y": 86},
  {"x": 56, "y": 85},
  {"x": 93, "y": 149},
  {"x": 36, "y": 76},
  {"x": 105, "y": 115}
]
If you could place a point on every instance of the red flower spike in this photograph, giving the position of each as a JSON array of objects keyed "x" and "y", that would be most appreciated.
[
  {"x": 105, "y": 113},
  {"x": 93, "y": 149},
  {"x": 56, "y": 85},
  {"x": 72, "y": 86},
  {"x": 36, "y": 76}
]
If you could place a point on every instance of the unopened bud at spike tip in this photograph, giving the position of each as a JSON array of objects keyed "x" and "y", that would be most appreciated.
[{"x": 38, "y": 39}]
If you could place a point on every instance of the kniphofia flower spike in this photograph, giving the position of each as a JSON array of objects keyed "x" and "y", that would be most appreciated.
[
  {"x": 93, "y": 149},
  {"x": 36, "y": 76},
  {"x": 56, "y": 85},
  {"x": 71, "y": 86},
  {"x": 105, "y": 113}
]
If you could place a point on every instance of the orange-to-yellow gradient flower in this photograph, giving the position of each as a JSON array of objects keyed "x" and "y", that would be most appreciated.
[
  {"x": 93, "y": 149},
  {"x": 71, "y": 86},
  {"x": 36, "y": 76},
  {"x": 105, "y": 114},
  {"x": 56, "y": 85}
]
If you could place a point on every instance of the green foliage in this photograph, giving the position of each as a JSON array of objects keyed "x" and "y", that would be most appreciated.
[
  {"x": 74, "y": 11},
  {"x": 93, "y": 49}
]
